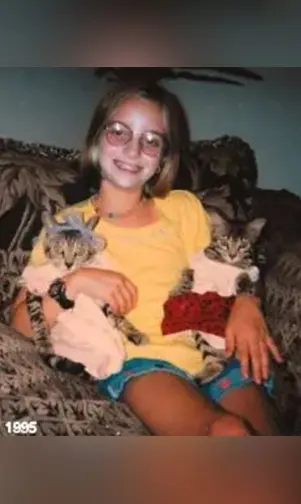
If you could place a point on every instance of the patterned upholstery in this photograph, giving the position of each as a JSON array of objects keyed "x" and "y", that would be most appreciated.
[{"x": 36, "y": 176}]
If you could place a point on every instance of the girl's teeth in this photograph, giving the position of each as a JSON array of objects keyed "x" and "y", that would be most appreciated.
[{"x": 125, "y": 166}]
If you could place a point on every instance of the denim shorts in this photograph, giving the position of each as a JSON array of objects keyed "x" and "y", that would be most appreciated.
[{"x": 230, "y": 378}]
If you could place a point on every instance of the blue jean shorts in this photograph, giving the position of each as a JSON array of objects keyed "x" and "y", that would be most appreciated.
[{"x": 230, "y": 378}]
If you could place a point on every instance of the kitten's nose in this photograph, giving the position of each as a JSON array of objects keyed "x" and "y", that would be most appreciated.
[{"x": 68, "y": 265}]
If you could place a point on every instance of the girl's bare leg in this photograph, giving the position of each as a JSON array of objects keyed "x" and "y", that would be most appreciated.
[
  {"x": 170, "y": 406},
  {"x": 250, "y": 403}
]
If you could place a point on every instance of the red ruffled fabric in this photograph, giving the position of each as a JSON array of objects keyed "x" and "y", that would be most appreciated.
[{"x": 207, "y": 312}]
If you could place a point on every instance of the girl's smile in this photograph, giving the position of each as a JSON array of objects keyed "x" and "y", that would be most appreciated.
[{"x": 132, "y": 143}]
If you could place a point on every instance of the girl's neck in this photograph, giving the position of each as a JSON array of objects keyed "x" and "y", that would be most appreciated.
[
  {"x": 117, "y": 200},
  {"x": 124, "y": 208}
]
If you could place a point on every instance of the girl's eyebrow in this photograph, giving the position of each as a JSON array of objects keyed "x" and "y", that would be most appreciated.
[{"x": 159, "y": 133}]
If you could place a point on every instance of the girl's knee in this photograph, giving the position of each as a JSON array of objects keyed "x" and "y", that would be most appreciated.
[{"x": 228, "y": 425}]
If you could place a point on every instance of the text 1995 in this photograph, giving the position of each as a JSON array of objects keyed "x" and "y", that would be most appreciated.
[{"x": 21, "y": 427}]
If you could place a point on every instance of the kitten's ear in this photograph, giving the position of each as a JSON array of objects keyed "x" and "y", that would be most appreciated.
[
  {"x": 254, "y": 228},
  {"x": 76, "y": 214},
  {"x": 92, "y": 222},
  {"x": 219, "y": 224},
  {"x": 72, "y": 215},
  {"x": 48, "y": 219}
]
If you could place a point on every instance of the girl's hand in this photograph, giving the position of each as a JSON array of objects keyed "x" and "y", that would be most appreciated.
[
  {"x": 111, "y": 287},
  {"x": 247, "y": 335}
]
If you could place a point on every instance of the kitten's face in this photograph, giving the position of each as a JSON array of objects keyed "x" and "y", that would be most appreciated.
[
  {"x": 67, "y": 250},
  {"x": 233, "y": 250},
  {"x": 70, "y": 243},
  {"x": 233, "y": 243}
]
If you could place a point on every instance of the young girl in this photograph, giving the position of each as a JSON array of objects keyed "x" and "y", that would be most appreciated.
[{"x": 135, "y": 141}]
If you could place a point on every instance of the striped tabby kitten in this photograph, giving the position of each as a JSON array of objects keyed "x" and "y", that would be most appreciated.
[
  {"x": 233, "y": 243},
  {"x": 69, "y": 245}
]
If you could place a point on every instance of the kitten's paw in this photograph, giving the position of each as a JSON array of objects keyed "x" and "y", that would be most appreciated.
[
  {"x": 62, "y": 364},
  {"x": 137, "y": 338},
  {"x": 144, "y": 339},
  {"x": 50, "y": 359},
  {"x": 211, "y": 371},
  {"x": 254, "y": 273}
]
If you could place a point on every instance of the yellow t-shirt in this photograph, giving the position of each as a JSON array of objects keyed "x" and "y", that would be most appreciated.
[{"x": 152, "y": 257}]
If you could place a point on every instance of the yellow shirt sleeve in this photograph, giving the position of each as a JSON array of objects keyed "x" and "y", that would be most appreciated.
[{"x": 193, "y": 222}]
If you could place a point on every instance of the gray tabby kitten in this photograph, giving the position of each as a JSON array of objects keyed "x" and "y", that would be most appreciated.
[
  {"x": 67, "y": 249},
  {"x": 233, "y": 243}
]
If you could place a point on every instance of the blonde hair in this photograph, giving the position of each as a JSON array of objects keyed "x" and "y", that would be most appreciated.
[{"x": 177, "y": 132}]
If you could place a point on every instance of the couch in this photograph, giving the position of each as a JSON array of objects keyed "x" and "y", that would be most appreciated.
[{"x": 36, "y": 176}]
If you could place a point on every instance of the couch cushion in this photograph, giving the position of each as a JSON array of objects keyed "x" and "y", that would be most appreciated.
[
  {"x": 61, "y": 404},
  {"x": 33, "y": 177}
]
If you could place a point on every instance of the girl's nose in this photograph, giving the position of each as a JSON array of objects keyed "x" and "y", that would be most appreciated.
[{"x": 133, "y": 148}]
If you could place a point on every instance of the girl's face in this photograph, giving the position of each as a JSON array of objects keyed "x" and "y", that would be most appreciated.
[{"x": 132, "y": 143}]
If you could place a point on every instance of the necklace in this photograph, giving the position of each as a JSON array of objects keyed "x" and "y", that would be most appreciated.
[{"x": 115, "y": 215}]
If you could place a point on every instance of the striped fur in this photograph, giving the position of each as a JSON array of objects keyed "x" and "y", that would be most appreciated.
[
  {"x": 67, "y": 250},
  {"x": 232, "y": 243}
]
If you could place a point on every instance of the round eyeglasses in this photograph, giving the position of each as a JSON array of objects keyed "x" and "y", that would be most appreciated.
[{"x": 151, "y": 143}]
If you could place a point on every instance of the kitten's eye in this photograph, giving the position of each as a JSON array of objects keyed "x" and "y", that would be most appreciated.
[
  {"x": 244, "y": 243},
  {"x": 224, "y": 242}
]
